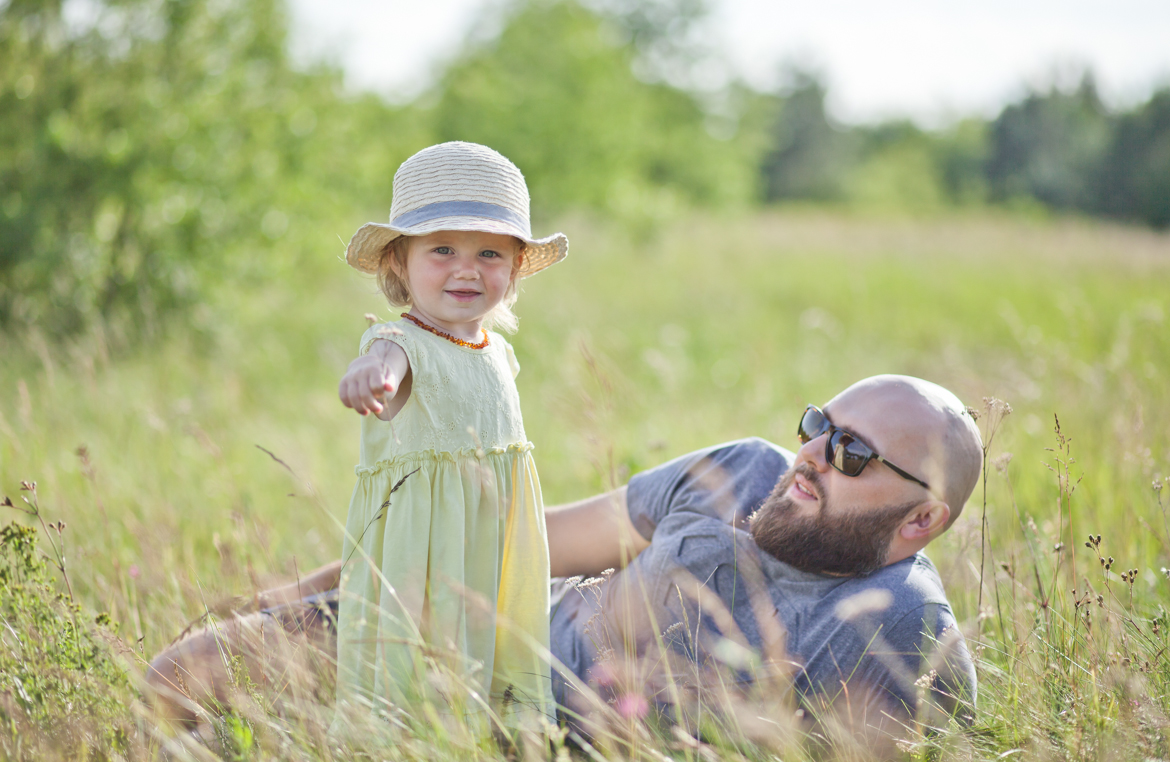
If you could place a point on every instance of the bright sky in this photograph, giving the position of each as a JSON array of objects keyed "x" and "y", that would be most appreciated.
[{"x": 927, "y": 59}]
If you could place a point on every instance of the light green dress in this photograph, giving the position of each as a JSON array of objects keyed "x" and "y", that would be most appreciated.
[{"x": 446, "y": 580}]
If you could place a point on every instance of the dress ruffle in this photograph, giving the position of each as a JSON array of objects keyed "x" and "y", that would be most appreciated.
[{"x": 431, "y": 456}]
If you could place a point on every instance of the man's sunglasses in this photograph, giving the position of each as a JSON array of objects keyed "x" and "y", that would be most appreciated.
[{"x": 843, "y": 450}]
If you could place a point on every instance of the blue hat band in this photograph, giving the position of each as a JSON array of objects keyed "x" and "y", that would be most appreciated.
[{"x": 461, "y": 209}]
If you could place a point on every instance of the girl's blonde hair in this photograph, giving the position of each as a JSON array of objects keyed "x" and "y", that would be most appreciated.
[{"x": 397, "y": 291}]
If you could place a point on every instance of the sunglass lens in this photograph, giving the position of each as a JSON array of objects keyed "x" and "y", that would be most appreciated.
[
  {"x": 849, "y": 455},
  {"x": 812, "y": 425}
]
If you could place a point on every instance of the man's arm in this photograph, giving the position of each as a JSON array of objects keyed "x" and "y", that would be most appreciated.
[{"x": 592, "y": 535}]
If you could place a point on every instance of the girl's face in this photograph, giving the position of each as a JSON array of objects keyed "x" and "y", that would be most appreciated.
[{"x": 456, "y": 277}]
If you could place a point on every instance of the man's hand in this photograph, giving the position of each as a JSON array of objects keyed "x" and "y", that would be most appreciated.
[{"x": 372, "y": 380}]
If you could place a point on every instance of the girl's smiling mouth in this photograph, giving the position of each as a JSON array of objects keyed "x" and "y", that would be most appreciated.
[{"x": 464, "y": 295}]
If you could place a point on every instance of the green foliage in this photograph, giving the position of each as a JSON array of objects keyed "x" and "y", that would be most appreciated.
[
  {"x": 1058, "y": 150},
  {"x": 61, "y": 690},
  {"x": 1049, "y": 147},
  {"x": 555, "y": 93},
  {"x": 899, "y": 171},
  {"x": 164, "y": 149},
  {"x": 159, "y": 158},
  {"x": 149, "y": 154},
  {"x": 1136, "y": 171},
  {"x": 808, "y": 156}
]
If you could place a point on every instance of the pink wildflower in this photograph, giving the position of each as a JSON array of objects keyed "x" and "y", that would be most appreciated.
[{"x": 632, "y": 706}]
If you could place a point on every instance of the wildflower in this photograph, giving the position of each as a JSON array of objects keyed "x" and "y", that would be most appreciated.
[
  {"x": 135, "y": 572},
  {"x": 590, "y": 583},
  {"x": 926, "y": 680},
  {"x": 632, "y": 706}
]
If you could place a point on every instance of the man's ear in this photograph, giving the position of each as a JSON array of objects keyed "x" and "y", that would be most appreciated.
[{"x": 925, "y": 521}]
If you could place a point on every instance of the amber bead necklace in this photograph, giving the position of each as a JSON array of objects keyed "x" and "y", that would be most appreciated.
[{"x": 447, "y": 336}]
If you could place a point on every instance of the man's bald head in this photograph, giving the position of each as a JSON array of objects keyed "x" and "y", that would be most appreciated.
[{"x": 925, "y": 429}]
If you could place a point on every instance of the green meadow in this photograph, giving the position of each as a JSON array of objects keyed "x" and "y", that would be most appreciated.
[{"x": 219, "y": 459}]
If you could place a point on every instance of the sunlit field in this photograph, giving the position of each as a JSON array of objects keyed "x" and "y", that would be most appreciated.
[{"x": 171, "y": 466}]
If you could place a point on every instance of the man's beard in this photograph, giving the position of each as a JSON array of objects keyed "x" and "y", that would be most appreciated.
[{"x": 852, "y": 543}]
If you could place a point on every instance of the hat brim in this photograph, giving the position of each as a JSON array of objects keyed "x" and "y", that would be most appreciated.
[{"x": 364, "y": 251}]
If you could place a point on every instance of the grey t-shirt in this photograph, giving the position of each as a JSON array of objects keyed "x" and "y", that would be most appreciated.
[{"x": 880, "y": 632}]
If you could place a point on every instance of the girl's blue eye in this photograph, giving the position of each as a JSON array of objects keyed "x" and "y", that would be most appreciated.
[
  {"x": 443, "y": 250},
  {"x": 489, "y": 253}
]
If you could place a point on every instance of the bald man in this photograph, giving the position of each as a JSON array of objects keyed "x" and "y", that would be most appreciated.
[
  {"x": 833, "y": 534},
  {"x": 817, "y": 553}
]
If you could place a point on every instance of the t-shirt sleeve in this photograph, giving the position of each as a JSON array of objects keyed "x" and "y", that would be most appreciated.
[{"x": 727, "y": 482}]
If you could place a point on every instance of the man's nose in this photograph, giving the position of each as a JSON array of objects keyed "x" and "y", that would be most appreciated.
[{"x": 813, "y": 453}]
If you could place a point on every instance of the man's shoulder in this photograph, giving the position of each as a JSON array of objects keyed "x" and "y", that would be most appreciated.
[
  {"x": 748, "y": 468},
  {"x": 725, "y": 481},
  {"x": 900, "y": 597},
  {"x": 735, "y": 450},
  {"x": 749, "y": 447},
  {"x": 903, "y": 587}
]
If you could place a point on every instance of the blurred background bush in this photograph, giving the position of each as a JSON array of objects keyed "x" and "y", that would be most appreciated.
[{"x": 152, "y": 151}]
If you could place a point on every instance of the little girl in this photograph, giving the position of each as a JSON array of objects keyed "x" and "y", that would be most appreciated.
[{"x": 452, "y": 568}]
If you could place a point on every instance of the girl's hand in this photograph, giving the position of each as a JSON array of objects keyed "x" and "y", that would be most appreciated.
[{"x": 372, "y": 380}]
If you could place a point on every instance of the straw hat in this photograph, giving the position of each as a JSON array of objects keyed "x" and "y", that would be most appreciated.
[{"x": 457, "y": 186}]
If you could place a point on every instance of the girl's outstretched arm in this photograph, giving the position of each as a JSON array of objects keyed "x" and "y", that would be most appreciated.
[{"x": 374, "y": 379}]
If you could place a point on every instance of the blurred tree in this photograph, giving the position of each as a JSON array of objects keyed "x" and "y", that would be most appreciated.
[
  {"x": 902, "y": 166},
  {"x": 1135, "y": 175},
  {"x": 152, "y": 151},
  {"x": 667, "y": 35},
  {"x": 158, "y": 148},
  {"x": 1050, "y": 147},
  {"x": 897, "y": 169},
  {"x": 556, "y": 94},
  {"x": 961, "y": 154},
  {"x": 808, "y": 156}
]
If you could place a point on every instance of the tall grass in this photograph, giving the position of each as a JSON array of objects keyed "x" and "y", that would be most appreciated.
[{"x": 636, "y": 351}]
